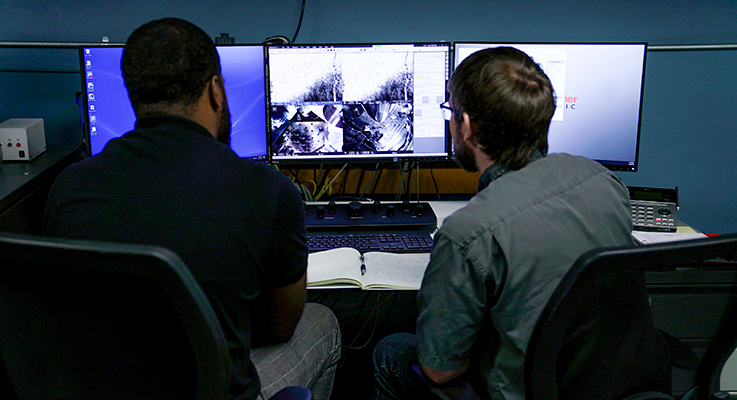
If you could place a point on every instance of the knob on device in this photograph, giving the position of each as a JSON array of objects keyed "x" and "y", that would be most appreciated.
[{"x": 355, "y": 209}]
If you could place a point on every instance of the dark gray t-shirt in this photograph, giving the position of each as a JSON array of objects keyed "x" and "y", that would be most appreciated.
[{"x": 497, "y": 261}]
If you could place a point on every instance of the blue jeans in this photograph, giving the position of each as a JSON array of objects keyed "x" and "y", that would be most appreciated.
[{"x": 393, "y": 378}]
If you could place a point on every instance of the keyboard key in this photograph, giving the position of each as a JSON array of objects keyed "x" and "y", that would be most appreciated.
[{"x": 399, "y": 242}]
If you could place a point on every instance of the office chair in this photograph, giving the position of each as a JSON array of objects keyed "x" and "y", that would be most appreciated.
[
  {"x": 82, "y": 320},
  {"x": 560, "y": 339},
  {"x": 721, "y": 347},
  {"x": 557, "y": 332}
]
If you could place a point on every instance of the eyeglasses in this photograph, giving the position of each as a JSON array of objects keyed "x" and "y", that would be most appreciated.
[{"x": 447, "y": 111}]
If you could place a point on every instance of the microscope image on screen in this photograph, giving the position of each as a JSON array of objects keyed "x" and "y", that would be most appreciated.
[
  {"x": 378, "y": 108},
  {"x": 342, "y": 102},
  {"x": 301, "y": 78},
  {"x": 307, "y": 129},
  {"x": 379, "y": 127}
]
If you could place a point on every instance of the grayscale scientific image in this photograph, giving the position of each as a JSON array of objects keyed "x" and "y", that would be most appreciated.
[
  {"x": 378, "y": 77},
  {"x": 377, "y": 127},
  {"x": 306, "y": 129},
  {"x": 296, "y": 79}
]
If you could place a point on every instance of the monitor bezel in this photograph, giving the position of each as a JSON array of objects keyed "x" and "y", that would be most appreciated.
[
  {"x": 613, "y": 165},
  {"x": 378, "y": 159}
]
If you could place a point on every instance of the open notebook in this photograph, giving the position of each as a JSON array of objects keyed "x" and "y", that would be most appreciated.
[{"x": 345, "y": 267}]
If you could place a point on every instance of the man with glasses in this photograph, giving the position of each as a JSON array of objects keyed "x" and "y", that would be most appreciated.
[{"x": 496, "y": 261}]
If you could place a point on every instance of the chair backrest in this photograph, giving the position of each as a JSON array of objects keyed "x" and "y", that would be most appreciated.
[
  {"x": 595, "y": 337},
  {"x": 721, "y": 347},
  {"x": 82, "y": 319}
]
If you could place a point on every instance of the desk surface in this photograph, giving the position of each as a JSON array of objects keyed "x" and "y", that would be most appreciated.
[{"x": 16, "y": 178}]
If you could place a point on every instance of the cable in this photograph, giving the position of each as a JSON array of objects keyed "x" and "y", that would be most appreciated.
[
  {"x": 378, "y": 167},
  {"x": 320, "y": 179},
  {"x": 418, "y": 182},
  {"x": 299, "y": 25},
  {"x": 408, "y": 188},
  {"x": 368, "y": 185},
  {"x": 324, "y": 189},
  {"x": 376, "y": 184},
  {"x": 374, "y": 312},
  {"x": 401, "y": 184},
  {"x": 437, "y": 191},
  {"x": 360, "y": 181}
]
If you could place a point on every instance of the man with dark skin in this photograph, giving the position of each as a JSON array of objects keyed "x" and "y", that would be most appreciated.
[{"x": 239, "y": 225}]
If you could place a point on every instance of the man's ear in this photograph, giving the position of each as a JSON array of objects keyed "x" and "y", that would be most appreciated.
[
  {"x": 467, "y": 129},
  {"x": 216, "y": 93}
]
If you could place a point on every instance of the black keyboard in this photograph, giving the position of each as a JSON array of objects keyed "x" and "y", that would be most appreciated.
[{"x": 393, "y": 242}]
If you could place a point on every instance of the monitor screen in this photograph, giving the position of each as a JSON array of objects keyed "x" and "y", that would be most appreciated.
[
  {"x": 358, "y": 102},
  {"x": 598, "y": 90},
  {"x": 108, "y": 113}
]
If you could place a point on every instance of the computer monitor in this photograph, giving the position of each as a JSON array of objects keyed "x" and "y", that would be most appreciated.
[
  {"x": 598, "y": 90},
  {"x": 355, "y": 103},
  {"x": 108, "y": 113}
]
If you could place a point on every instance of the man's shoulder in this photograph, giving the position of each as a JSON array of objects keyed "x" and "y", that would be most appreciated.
[
  {"x": 518, "y": 191},
  {"x": 77, "y": 170},
  {"x": 570, "y": 162},
  {"x": 264, "y": 174},
  {"x": 556, "y": 172}
]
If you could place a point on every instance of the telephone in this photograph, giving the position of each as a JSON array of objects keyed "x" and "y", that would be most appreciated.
[{"x": 654, "y": 209}]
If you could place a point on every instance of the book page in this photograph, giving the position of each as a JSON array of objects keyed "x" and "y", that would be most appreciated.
[
  {"x": 644, "y": 237},
  {"x": 333, "y": 266},
  {"x": 395, "y": 271}
]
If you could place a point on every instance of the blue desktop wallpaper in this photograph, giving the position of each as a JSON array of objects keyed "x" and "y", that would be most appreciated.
[{"x": 111, "y": 114}]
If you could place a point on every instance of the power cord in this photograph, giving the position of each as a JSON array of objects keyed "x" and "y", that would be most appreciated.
[
  {"x": 281, "y": 39},
  {"x": 299, "y": 24}
]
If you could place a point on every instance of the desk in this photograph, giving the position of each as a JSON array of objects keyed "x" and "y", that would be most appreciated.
[
  {"x": 685, "y": 303},
  {"x": 25, "y": 185}
]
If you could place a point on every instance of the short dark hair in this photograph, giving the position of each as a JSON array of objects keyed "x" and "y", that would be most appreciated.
[
  {"x": 510, "y": 101},
  {"x": 167, "y": 63}
]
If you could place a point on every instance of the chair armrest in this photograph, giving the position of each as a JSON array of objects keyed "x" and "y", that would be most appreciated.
[
  {"x": 456, "y": 389},
  {"x": 293, "y": 393}
]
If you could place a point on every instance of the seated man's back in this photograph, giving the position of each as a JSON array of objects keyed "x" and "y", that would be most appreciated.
[
  {"x": 239, "y": 226},
  {"x": 497, "y": 261},
  {"x": 234, "y": 223}
]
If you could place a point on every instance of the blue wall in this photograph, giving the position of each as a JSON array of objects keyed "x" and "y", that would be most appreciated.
[{"x": 689, "y": 114}]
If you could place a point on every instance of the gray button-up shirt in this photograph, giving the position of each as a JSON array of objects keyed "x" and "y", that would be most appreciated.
[{"x": 497, "y": 261}]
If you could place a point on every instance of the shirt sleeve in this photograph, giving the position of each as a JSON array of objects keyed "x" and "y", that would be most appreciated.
[
  {"x": 289, "y": 247},
  {"x": 452, "y": 304}
]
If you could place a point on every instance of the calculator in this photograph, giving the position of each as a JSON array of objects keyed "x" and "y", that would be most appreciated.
[{"x": 654, "y": 209}]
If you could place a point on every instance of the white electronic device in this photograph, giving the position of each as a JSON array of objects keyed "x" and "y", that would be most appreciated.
[{"x": 22, "y": 139}]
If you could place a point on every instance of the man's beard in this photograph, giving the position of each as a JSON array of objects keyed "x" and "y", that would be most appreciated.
[
  {"x": 223, "y": 133},
  {"x": 464, "y": 156}
]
